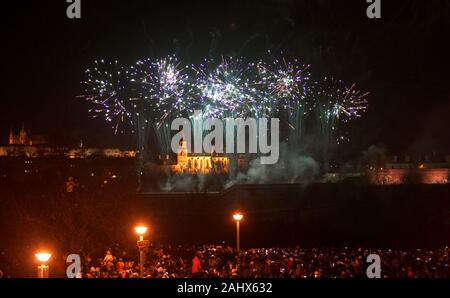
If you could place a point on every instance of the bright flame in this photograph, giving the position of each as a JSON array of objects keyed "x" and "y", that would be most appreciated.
[
  {"x": 141, "y": 230},
  {"x": 43, "y": 256},
  {"x": 238, "y": 216}
]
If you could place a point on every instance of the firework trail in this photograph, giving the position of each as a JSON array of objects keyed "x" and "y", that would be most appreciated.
[
  {"x": 284, "y": 89},
  {"x": 167, "y": 92},
  {"x": 335, "y": 103}
]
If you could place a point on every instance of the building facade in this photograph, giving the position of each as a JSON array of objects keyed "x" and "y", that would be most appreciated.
[
  {"x": 199, "y": 163},
  {"x": 420, "y": 170}
]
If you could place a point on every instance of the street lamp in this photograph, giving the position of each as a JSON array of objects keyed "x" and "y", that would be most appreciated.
[
  {"x": 141, "y": 231},
  {"x": 142, "y": 245},
  {"x": 238, "y": 217},
  {"x": 43, "y": 269}
]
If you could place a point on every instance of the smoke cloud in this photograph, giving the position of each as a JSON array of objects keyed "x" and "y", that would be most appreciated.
[{"x": 292, "y": 168}]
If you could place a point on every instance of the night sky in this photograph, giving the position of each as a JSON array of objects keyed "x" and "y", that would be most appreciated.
[{"x": 402, "y": 59}]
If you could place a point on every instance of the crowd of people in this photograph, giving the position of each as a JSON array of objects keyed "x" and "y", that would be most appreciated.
[
  {"x": 174, "y": 261},
  {"x": 215, "y": 261}
]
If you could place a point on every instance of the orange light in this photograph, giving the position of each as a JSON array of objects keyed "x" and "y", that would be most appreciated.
[
  {"x": 43, "y": 256},
  {"x": 238, "y": 216},
  {"x": 422, "y": 166},
  {"x": 141, "y": 230}
]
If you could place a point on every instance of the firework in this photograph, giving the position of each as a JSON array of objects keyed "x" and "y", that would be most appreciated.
[
  {"x": 226, "y": 89},
  {"x": 165, "y": 85},
  {"x": 148, "y": 95},
  {"x": 107, "y": 89},
  {"x": 352, "y": 104},
  {"x": 284, "y": 88},
  {"x": 335, "y": 103},
  {"x": 285, "y": 81}
]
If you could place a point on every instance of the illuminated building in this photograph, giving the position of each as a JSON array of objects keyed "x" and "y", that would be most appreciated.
[
  {"x": 408, "y": 170},
  {"x": 24, "y": 138},
  {"x": 199, "y": 163}
]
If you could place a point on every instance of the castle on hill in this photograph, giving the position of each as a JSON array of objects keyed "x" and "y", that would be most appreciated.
[{"x": 24, "y": 138}]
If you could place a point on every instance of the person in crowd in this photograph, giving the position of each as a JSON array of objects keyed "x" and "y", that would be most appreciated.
[
  {"x": 71, "y": 185},
  {"x": 108, "y": 260},
  {"x": 196, "y": 265}
]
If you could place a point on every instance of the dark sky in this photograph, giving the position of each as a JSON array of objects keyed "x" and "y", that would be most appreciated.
[{"x": 402, "y": 59}]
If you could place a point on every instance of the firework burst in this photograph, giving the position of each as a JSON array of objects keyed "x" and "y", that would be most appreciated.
[
  {"x": 337, "y": 102},
  {"x": 352, "y": 104},
  {"x": 165, "y": 85},
  {"x": 107, "y": 88},
  {"x": 226, "y": 89},
  {"x": 284, "y": 89},
  {"x": 284, "y": 84}
]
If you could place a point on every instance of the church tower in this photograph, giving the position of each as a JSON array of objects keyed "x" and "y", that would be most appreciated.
[
  {"x": 23, "y": 136},
  {"x": 182, "y": 156},
  {"x": 11, "y": 138}
]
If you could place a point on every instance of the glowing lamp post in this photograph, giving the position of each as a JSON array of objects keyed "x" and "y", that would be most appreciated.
[
  {"x": 43, "y": 269},
  {"x": 238, "y": 217},
  {"x": 141, "y": 231},
  {"x": 142, "y": 245}
]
